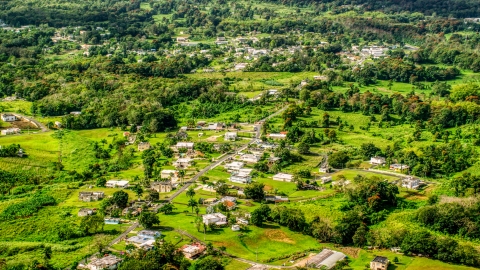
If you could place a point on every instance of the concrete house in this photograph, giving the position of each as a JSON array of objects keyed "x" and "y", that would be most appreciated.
[
  {"x": 183, "y": 163},
  {"x": 192, "y": 250},
  {"x": 186, "y": 145},
  {"x": 250, "y": 158},
  {"x": 114, "y": 221},
  {"x": 379, "y": 263},
  {"x": 161, "y": 187},
  {"x": 150, "y": 234},
  {"x": 143, "y": 146},
  {"x": 171, "y": 175},
  {"x": 11, "y": 131},
  {"x": 276, "y": 199},
  {"x": 90, "y": 196},
  {"x": 215, "y": 218},
  {"x": 8, "y": 117},
  {"x": 107, "y": 262},
  {"x": 230, "y": 136},
  {"x": 277, "y": 136},
  {"x": 284, "y": 177},
  {"x": 241, "y": 177},
  {"x": 399, "y": 167},
  {"x": 377, "y": 160},
  {"x": 411, "y": 183},
  {"x": 117, "y": 184},
  {"x": 85, "y": 212},
  {"x": 326, "y": 179},
  {"x": 234, "y": 166}
]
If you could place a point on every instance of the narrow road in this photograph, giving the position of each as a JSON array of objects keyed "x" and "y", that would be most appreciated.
[{"x": 38, "y": 124}]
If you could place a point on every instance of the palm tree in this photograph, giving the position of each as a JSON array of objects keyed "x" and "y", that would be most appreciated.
[
  {"x": 181, "y": 174},
  {"x": 190, "y": 192},
  {"x": 210, "y": 185},
  {"x": 192, "y": 203}
]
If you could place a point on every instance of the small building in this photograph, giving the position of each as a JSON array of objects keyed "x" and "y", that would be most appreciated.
[
  {"x": 411, "y": 183},
  {"x": 85, "y": 212},
  {"x": 87, "y": 196},
  {"x": 379, "y": 263},
  {"x": 324, "y": 169},
  {"x": 377, "y": 160},
  {"x": 134, "y": 211},
  {"x": 182, "y": 39},
  {"x": 58, "y": 124},
  {"x": 193, "y": 250},
  {"x": 399, "y": 167},
  {"x": 273, "y": 92},
  {"x": 142, "y": 146},
  {"x": 230, "y": 136},
  {"x": 76, "y": 113},
  {"x": 250, "y": 158},
  {"x": 183, "y": 163},
  {"x": 242, "y": 221},
  {"x": 161, "y": 187},
  {"x": 186, "y": 145},
  {"x": 276, "y": 199},
  {"x": 215, "y": 126},
  {"x": 112, "y": 221},
  {"x": 284, "y": 177},
  {"x": 11, "y": 131},
  {"x": 117, "y": 184},
  {"x": 240, "y": 177},
  {"x": 215, "y": 218},
  {"x": 277, "y": 136},
  {"x": 8, "y": 117},
  {"x": 171, "y": 175},
  {"x": 137, "y": 240},
  {"x": 326, "y": 179},
  {"x": 236, "y": 228},
  {"x": 150, "y": 234},
  {"x": 234, "y": 166},
  {"x": 107, "y": 262},
  {"x": 326, "y": 258}
]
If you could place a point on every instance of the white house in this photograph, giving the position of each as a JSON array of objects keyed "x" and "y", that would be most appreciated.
[
  {"x": 326, "y": 179},
  {"x": 10, "y": 131},
  {"x": 327, "y": 259},
  {"x": 215, "y": 218},
  {"x": 171, "y": 175},
  {"x": 277, "y": 136},
  {"x": 411, "y": 183},
  {"x": 117, "y": 184},
  {"x": 7, "y": 117},
  {"x": 240, "y": 66},
  {"x": 149, "y": 234},
  {"x": 107, "y": 262},
  {"x": 231, "y": 136},
  {"x": 285, "y": 177},
  {"x": 183, "y": 162},
  {"x": 234, "y": 166},
  {"x": 250, "y": 158},
  {"x": 241, "y": 177},
  {"x": 377, "y": 160},
  {"x": 187, "y": 145},
  {"x": 235, "y": 228},
  {"x": 273, "y": 92}
]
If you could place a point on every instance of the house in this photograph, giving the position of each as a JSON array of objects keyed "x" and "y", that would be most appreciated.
[
  {"x": 75, "y": 113},
  {"x": 112, "y": 220},
  {"x": 250, "y": 158},
  {"x": 137, "y": 240},
  {"x": 276, "y": 199},
  {"x": 90, "y": 196},
  {"x": 85, "y": 212},
  {"x": 171, "y": 175},
  {"x": 379, "y": 263},
  {"x": 324, "y": 169},
  {"x": 107, "y": 262},
  {"x": 11, "y": 131},
  {"x": 230, "y": 136},
  {"x": 161, "y": 187},
  {"x": 326, "y": 179},
  {"x": 240, "y": 66},
  {"x": 215, "y": 126},
  {"x": 142, "y": 146},
  {"x": 285, "y": 177},
  {"x": 148, "y": 245},
  {"x": 58, "y": 124},
  {"x": 149, "y": 234},
  {"x": 117, "y": 184},
  {"x": 186, "y": 145},
  {"x": 7, "y": 117},
  {"x": 235, "y": 228},
  {"x": 134, "y": 211},
  {"x": 215, "y": 218},
  {"x": 377, "y": 160},
  {"x": 325, "y": 259},
  {"x": 411, "y": 183},
  {"x": 273, "y": 92},
  {"x": 277, "y": 136},
  {"x": 183, "y": 163},
  {"x": 399, "y": 167},
  {"x": 234, "y": 166},
  {"x": 192, "y": 250},
  {"x": 229, "y": 205},
  {"x": 182, "y": 39},
  {"x": 242, "y": 221},
  {"x": 241, "y": 177}
]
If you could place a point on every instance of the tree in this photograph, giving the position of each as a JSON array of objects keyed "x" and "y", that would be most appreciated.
[
  {"x": 120, "y": 198},
  {"x": 47, "y": 254},
  {"x": 326, "y": 120},
  {"x": 360, "y": 236},
  {"x": 338, "y": 160},
  {"x": 255, "y": 191},
  {"x": 260, "y": 215},
  {"x": 369, "y": 150},
  {"x": 138, "y": 190},
  {"x": 208, "y": 263},
  {"x": 153, "y": 195},
  {"x": 221, "y": 188},
  {"x": 148, "y": 219},
  {"x": 303, "y": 148},
  {"x": 101, "y": 182},
  {"x": 190, "y": 192},
  {"x": 166, "y": 208},
  {"x": 181, "y": 174},
  {"x": 192, "y": 203}
]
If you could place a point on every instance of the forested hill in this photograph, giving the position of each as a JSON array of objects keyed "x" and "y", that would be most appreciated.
[{"x": 445, "y": 8}]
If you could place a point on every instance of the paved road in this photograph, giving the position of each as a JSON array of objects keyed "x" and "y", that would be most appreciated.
[{"x": 38, "y": 124}]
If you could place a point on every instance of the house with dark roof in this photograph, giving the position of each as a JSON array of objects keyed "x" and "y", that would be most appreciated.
[{"x": 379, "y": 263}]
